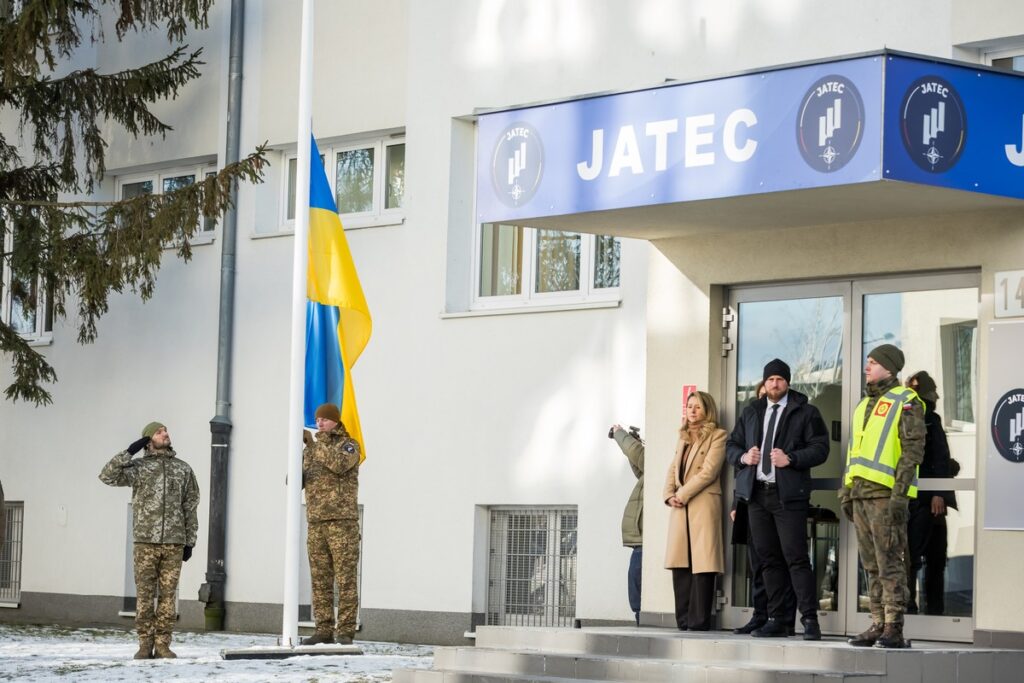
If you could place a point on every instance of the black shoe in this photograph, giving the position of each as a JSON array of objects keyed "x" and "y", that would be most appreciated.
[
  {"x": 750, "y": 626},
  {"x": 773, "y": 628},
  {"x": 790, "y": 630},
  {"x": 812, "y": 631},
  {"x": 867, "y": 638}
]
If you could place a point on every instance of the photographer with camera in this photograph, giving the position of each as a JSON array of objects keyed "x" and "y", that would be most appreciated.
[{"x": 633, "y": 516}]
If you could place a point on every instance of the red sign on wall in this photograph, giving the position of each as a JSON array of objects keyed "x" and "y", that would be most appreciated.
[{"x": 687, "y": 390}]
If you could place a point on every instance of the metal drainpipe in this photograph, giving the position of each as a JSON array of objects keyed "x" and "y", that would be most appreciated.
[{"x": 212, "y": 592}]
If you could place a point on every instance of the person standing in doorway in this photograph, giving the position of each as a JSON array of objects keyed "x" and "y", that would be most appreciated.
[
  {"x": 693, "y": 492},
  {"x": 886, "y": 447},
  {"x": 741, "y": 536},
  {"x": 633, "y": 516},
  {"x": 330, "y": 476},
  {"x": 774, "y": 445},
  {"x": 165, "y": 496},
  {"x": 927, "y": 534}
]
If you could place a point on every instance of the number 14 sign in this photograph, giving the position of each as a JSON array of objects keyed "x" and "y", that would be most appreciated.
[{"x": 1009, "y": 293}]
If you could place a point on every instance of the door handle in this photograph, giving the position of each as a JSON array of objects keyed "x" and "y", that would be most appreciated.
[{"x": 837, "y": 430}]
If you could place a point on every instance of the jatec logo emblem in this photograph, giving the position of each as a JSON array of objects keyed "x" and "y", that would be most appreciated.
[
  {"x": 1008, "y": 425},
  {"x": 934, "y": 124},
  {"x": 830, "y": 124},
  {"x": 517, "y": 165}
]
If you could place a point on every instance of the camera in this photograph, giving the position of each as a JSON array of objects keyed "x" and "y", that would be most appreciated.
[{"x": 633, "y": 432}]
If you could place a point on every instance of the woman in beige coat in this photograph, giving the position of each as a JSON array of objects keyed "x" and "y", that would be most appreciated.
[{"x": 693, "y": 492}]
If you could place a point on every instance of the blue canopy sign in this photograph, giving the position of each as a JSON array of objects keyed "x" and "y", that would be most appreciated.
[{"x": 810, "y": 126}]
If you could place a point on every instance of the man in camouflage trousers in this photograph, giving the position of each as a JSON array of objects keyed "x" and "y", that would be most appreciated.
[
  {"x": 330, "y": 476},
  {"x": 165, "y": 496},
  {"x": 886, "y": 447}
]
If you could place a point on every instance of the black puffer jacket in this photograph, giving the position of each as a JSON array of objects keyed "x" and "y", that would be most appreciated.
[{"x": 801, "y": 434}]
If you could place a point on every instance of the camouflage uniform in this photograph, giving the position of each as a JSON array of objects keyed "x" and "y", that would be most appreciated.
[
  {"x": 165, "y": 496},
  {"x": 330, "y": 475},
  {"x": 882, "y": 540}
]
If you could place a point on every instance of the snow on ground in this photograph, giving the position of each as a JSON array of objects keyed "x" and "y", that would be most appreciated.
[{"x": 54, "y": 653}]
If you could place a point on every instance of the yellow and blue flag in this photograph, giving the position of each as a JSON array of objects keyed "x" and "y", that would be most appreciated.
[{"x": 338, "y": 323}]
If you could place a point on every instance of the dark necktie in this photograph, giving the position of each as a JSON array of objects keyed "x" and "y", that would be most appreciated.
[{"x": 766, "y": 449}]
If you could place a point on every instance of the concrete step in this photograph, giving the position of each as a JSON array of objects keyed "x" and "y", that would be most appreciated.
[
  {"x": 926, "y": 662},
  {"x": 577, "y": 667},
  {"x": 683, "y": 673}
]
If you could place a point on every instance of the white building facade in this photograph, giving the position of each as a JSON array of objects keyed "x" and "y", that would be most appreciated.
[{"x": 502, "y": 353}]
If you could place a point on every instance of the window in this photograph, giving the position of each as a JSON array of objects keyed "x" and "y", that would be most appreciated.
[
  {"x": 532, "y": 567},
  {"x": 24, "y": 302},
  {"x": 168, "y": 181},
  {"x": 527, "y": 266},
  {"x": 959, "y": 343},
  {"x": 10, "y": 554},
  {"x": 1006, "y": 60},
  {"x": 367, "y": 179}
]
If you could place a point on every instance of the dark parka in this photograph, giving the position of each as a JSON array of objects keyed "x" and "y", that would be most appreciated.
[
  {"x": 633, "y": 515},
  {"x": 801, "y": 434}
]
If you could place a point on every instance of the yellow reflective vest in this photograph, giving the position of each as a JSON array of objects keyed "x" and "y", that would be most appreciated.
[{"x": 875, "y": 446}]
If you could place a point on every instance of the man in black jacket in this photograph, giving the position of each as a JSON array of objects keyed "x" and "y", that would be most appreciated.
[{"x": 774, "y": 445}]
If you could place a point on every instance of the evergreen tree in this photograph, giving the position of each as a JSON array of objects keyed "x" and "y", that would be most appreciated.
[{"x": 66, "y": 250}]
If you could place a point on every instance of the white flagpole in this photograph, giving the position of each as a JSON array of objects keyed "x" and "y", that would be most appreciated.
[{"x": 300, "y": 263}]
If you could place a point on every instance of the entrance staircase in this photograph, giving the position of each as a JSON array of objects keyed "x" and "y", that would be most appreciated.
[{"x": 657, "y": 655}]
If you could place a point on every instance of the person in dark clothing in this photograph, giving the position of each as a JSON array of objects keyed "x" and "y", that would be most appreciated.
[
  {"x": 633, "y": 516},
  {"x": 774, "y": 445},
  {"x": 926, "y": 525},
  {"x": 741, "y": 536}
]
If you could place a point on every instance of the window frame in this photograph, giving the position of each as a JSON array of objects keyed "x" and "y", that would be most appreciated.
[
  {"x": 13, "y": 517},
  {"x": 988, "y": 57},
  {"x": 529, "y": 297},
  {"x": 379, "y": 215},
  {"x": 199, "y": 172},
  {"x": 42, "y": 334}
]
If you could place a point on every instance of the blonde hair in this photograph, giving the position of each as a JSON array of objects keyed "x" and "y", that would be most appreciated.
[{"x": 707, "y": 402}]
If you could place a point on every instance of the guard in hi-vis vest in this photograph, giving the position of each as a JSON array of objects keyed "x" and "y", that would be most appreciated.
[{"x": 886, "y": 447}]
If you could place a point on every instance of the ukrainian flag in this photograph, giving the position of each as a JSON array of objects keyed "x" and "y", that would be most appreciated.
[{"x": 338, "y": 323}]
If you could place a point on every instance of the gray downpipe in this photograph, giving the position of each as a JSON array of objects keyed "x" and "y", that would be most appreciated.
[{"x": 212, "y": 592}]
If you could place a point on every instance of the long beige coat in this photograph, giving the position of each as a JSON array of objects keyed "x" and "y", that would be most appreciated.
[{"x": 699, "y": 523}]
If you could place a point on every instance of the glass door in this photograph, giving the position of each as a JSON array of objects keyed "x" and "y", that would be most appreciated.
[
  {"x": 934, "y": 321},
  {"x": 824, "y": 332},
  {"x": 806, "y": 326}
]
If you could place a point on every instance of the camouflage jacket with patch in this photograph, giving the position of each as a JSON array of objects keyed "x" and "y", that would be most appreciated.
[
  {"x": 912, "y": 431},
  {"x": 330, "y": 475},
  {"x": 165, "y": 495}
]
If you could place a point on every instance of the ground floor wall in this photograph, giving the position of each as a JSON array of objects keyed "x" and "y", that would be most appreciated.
[{"x": 687, "y": 280}]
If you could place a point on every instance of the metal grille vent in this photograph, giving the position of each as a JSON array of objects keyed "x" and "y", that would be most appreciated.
[
  {"x": 532, "y": 567},
  {"x": 10, "y": 554}
]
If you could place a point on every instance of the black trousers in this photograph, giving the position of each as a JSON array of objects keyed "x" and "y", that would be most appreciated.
[
  {"x": 927, "y": 536},
  {"x": 760, "y": 594},
  {"x": 779, "y": 536},
  {"x": 695, "y": 595}
]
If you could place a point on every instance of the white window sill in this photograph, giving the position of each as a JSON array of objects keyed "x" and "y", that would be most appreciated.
[
  {"x": 200, "y": 239},
  {"x": 10, "y": 605},
  {"x": 532, "y": 308},
  {"x": 43, "y": 340},
  {"x": 122, "y": 613},
  {"x": 288, "y": 229}
]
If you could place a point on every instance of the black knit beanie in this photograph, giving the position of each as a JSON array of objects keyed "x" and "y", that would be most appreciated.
[{"x": 776, "y": 367}]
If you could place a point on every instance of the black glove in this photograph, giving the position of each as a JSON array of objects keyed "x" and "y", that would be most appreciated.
[
  {"x": 897, "y": 510},
  {"x": 186, "y": 553},
  {"x": 137, "y": 446}
]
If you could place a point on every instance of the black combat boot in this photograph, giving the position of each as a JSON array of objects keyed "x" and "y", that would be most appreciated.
[
  {"x": 868, "y": 638},
  {"x": 318, "y": 638},
  {"x": 892, "y": 638}
]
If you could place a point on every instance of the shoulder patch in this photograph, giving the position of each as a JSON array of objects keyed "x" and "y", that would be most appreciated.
[{"x": 349, "y": 447}]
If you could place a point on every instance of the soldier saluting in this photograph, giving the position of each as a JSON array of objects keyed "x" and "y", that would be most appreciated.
[
  {"x": 330, "y": 476},
  {"x": 165, "y": 496}
]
